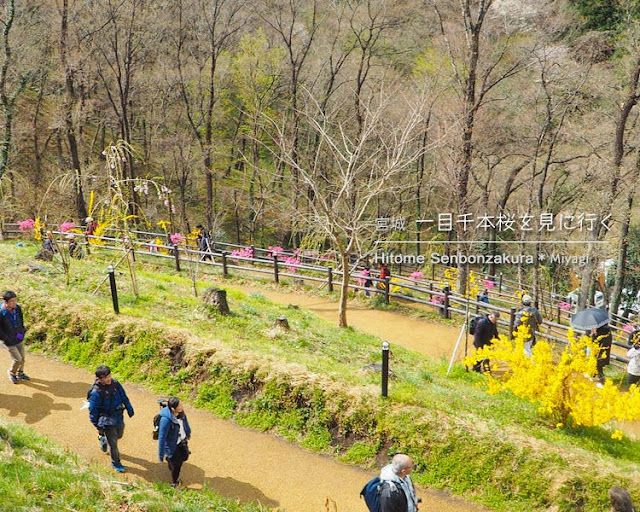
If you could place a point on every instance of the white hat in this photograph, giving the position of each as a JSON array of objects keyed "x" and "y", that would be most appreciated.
[
  {"x": 89, "y": 219},
  {"x": 526, "y": 300}
]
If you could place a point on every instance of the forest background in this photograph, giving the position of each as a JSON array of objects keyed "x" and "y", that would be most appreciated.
[{"x": 301, "y": 123}]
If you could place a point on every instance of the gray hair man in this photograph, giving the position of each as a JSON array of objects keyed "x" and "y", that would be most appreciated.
[
  {"x": 396, "y": 491},
  {"x": 530, "y": 317}
]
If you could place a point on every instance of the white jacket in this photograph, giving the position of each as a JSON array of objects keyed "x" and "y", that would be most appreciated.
[{"x": 634, "y": 361}]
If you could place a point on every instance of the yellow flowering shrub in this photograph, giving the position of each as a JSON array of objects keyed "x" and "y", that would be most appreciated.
[
  {"x": 451, "y": 280},
  {"x": 559, "y": 382}
]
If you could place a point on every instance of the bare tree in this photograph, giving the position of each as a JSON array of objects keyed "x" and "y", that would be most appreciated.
[{"x": 366, "y": 157}]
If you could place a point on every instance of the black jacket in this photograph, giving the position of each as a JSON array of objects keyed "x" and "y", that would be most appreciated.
[
  {"x": 8, "y": 330},
  {"x": 392, "y": 498},
  {"x": 485, "y": 331}
]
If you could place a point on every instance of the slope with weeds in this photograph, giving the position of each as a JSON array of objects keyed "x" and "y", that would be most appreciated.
[{"x": 306, "y": 385}]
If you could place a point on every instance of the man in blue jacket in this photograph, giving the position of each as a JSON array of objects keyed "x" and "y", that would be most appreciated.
[
  {"x": 12, "y": 335},
  {"x": 173, "y": 433},
  {"x": 107, "y": 402}
]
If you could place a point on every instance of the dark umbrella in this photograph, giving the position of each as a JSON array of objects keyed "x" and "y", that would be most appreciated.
[{"x": 588, "y": 319}]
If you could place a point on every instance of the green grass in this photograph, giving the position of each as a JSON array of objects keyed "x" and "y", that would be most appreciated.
[
  {"x": 307, "y": 385},
  {"x": 37, "y": 475}
]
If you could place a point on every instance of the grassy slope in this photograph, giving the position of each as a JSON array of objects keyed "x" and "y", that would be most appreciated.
[
  {"x": 37, "y": 475},
  {"x": 307, "y": 386}
]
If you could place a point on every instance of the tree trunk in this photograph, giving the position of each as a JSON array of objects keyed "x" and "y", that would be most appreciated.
[{"x": 344, "y": 291}]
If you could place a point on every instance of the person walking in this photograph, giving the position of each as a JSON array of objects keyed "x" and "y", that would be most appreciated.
[
  {"x": 397, "y": 493},
  {"x": 620, "y": 500},
  {"x": 484, "y": 332},
  {"x": 12, "y": 333},
  {"x": 107, "y": 402},
  {"x": 633, "y": 368},
  {"x": 602, "y": 336},
  {"x": 532, "y": 319},
  {"x": 173, "y": 434}
]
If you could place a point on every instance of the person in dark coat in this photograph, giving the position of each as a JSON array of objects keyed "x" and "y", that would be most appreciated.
[
  {"x": 602, "y": 336},
  {"x": 485, "y": 331},
  {"x": 173, "y": 433},
  {"x": 12, "y": 333},
  {"x": 531, "y": 317},
  {"x": 107, "y": 403},
  {"x": 397, "y": 493}
]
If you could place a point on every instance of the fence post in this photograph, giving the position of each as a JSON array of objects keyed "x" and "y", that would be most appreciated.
[
  {"x": 176, "y": 255},
  {"x": 225, "y": 272},
  {"x": 330, "y": 279},
  {"x": 500, "y": 284},
  {"x": 558, "y": 316},
  {"x": 512, "y": 322},
  {"x": 114, "y": 291},
  {"x": 445, "y": 304},
  {"x": 433, "y": 272},
  {"x": 386, "y": 289},
  {"x": 385, "y": 368},
  {"x": 276, "y": 276}
]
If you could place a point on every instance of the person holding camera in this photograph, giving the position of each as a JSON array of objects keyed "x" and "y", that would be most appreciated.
[
  {"x": 633, "y": 368},
  {"x": 12, "y": 335},
  {"x": 107, "y": 403},
  {"x": 173, "y": 434}
]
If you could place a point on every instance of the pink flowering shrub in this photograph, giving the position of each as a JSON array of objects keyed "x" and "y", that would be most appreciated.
[
  {"x": 564, "y": 306},
  {"x": 435, "y": 299},
  {"x": 177, "y": 238},
  {"x": 488, "y": 284},
  {"x": 416, "y": 275},
  {"x": 628, "y": 328},
  {"x": 291, "y": 260},
  {"x": 245, "y": 252},
  {"x": 274, "y": 249},
  {"x": 66, "y": 226},
  {"x": 26, "y": 224}
]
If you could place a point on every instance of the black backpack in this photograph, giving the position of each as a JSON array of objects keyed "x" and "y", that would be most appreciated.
[
  {"x": 371, "y": 494},
  {"x": 162, "y": 402},
  {"x": 473, "y": 324}
]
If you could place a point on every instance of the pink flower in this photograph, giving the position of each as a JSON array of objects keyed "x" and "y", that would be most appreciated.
[
  {"x": 436, "y": 299},
  {"x": 176, "y": 238},
  {"x": 628, "y": 328},
  {"x": 275, "y": 250},
  {"x": 290, "y": 260},
  {"x": 66, "y": 226},
  {"x": 488, "y": 284},
  {"x": 416, "y": 275},
  {"x": 26, "y": 224},
  {"x": 245, "y": 252},
  {"x": 565, "y": 306}
]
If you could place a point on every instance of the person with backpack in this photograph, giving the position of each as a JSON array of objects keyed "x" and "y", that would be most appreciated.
[
  {"x": 174, "y": 433},
  {"x": 12, "y": 333},
  {"x": 484, "y": 331},
  {"x": 532, "y": 319},
  {"x": 107, "y": 402},
  {"x": 397, "y": 493}
]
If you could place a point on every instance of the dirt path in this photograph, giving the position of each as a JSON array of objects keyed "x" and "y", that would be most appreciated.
[
  {"x": 431, "y": 339},
  {"x": 237, "y": 462}
]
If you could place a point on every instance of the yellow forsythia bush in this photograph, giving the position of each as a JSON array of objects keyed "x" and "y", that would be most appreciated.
[{"x": 559, "y": 382}]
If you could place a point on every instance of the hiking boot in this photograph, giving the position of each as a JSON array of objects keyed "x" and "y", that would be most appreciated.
[
  {"x": 119, "y": 469},
  {"x": 12, "y": 377},
  {"x": 103, "y": 443},
  {"x": 24, "y": 376},
  {"x": 176, "y": 484}
]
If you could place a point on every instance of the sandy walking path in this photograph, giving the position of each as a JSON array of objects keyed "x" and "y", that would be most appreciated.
[
  {"x": 413, "y": 333},
  {"x": 237, "y": 462}
]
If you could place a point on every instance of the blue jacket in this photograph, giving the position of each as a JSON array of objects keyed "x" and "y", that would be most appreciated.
[
  {"x": 107, "y": 404},
  {"x": 11, "y": 324},
  {"x": 169, "y": 433}
]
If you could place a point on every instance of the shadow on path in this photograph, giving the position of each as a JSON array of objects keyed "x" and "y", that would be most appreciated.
[{"x": 34, "y": 408}]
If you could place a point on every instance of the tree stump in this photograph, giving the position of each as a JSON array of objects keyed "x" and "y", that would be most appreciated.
[
  {"x": 281, "y": 323},
  {"x": 217, "y": 298}
]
